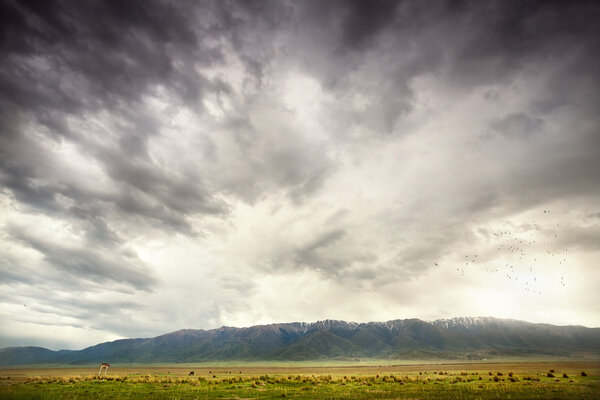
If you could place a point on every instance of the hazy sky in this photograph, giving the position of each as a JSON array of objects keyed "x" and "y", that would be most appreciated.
[{"x": 168, "y": 165}]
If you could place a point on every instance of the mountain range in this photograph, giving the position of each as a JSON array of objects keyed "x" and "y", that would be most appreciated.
[{"x": 456, "y": 338}]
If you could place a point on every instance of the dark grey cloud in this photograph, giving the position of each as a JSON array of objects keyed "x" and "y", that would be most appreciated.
[
  {"x": 64, "y": 60},
  {"x": 340, "y": 43},
  {"x": 270, "y": 156},
  {"x": 40, "y": 299},
  {"x": 114, "y": 49},
  {"x": 42, "y": 305},
  {"x": 473, "y": 44},
  {"x": 108, "y": 55},
  {"x": 99, "y": 314},
  {"x": 499, "y": 38},
  {"x": 310, "y": 253},
  {"x": 105, "y": 57},
  {"x": 360, "y": 21},
  {"x": 87, "y": 264},
  {"x": 517, "y": 124},
  {"x": 14, "y": 271}
]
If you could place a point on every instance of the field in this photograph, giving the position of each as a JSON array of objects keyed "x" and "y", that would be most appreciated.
[{"x": 499, "y": 380}]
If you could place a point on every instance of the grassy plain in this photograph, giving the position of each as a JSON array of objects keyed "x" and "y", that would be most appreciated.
[{"x": 492, "y": 380}]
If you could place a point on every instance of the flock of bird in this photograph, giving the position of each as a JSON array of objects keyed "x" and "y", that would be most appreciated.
[{"x": 514, "y": 256}]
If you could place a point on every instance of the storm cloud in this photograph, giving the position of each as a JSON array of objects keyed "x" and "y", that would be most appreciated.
[{"x": 169, "y": 165}]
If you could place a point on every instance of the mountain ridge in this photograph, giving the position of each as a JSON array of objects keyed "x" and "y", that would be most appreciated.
[{"x": 470, "y": 337}]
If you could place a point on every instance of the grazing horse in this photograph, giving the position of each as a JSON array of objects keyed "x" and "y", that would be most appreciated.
[
  {"x": 191, "y": 373},
  {"x": 103, "y": 366}
]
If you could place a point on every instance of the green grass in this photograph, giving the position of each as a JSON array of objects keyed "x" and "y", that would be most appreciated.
[{"x": 414, "y": 385}]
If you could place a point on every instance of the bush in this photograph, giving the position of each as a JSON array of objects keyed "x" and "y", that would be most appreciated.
[
  {"x": 565, "y": 375},
  {"x": 550, "y": 375},
  {"x": 583, "y": 373}
]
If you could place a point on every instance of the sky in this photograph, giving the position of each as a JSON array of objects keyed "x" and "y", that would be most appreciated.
[{"x": 194, "y": 164}]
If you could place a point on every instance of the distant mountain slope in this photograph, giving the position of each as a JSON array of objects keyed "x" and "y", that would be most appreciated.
[
  {"x": 29, "y": 355},
  {"x": 408, "y": 338}
]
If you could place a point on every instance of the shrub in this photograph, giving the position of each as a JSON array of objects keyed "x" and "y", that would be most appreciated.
[
  {"x": 550, "y": 374},
  {"x": 583, "y": 373},
  {"x": 551, "y": 370}
]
